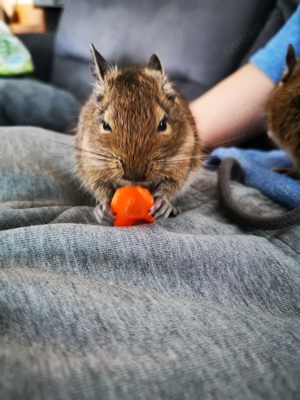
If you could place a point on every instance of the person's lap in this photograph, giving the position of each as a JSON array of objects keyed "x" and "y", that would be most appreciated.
[{"x": 187, "y": 307}]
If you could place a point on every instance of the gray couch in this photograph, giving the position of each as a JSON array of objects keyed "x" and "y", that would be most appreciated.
[
  {"x": 199, "y": 43},
  {"x": 192, "y": 307}
]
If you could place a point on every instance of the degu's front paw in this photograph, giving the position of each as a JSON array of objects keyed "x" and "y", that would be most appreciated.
[
  {"x": 162, "y": 208},
  {"x": 103, "y": 214}
]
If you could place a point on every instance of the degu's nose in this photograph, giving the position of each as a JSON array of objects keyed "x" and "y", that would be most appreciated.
[
  {"x": 134, "y": 176},
  {"x": 134, "y": 173}
]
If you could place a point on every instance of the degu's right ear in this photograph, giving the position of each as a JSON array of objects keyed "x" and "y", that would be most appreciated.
[
  {"x": 290, "y": 63},
  {"x": 154, "y": 63},
  {"x": 99, "y": 66}
]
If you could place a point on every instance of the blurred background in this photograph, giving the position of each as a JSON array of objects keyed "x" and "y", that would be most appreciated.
[
  {"x": 199, "y": 42},
  {"x": 28, "y": 16}
]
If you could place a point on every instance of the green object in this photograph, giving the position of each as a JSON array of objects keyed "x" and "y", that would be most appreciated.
[{"x": 15, "y": 59}]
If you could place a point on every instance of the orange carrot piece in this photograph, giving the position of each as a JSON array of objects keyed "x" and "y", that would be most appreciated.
[{"x": 132, "y": 205}]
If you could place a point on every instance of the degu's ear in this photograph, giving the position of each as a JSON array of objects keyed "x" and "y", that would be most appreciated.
[
  {"x": 154, "y": 63},
  {"x": 290, "y": 63},
  {"x": 99, "y": 66}
]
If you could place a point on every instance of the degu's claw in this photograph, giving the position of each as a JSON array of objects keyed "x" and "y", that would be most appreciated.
[
  {"x": 161, "y": 208},
  {"x": 103, "y": 214}
]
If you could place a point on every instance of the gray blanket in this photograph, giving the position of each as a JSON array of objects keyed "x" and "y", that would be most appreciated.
[{"x": 193, "y": 307}]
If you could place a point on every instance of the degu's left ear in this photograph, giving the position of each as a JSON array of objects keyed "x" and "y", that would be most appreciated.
[
  {"x": 99, "y": 65},
  {"x": 166, "y": 85},
  {"x": 154, "y": 63},
  {"x": 290, "y": 63}
]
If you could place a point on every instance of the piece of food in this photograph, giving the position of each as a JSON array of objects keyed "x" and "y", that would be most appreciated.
[{"x": 131, "y": 205}]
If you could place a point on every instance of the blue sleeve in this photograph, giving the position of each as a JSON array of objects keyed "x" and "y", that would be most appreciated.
[{"x": 271, "y": 58}]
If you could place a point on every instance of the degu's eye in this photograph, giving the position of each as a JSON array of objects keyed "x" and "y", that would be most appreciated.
[
  {"x": 162, "y": 126},
  {"x": 106, "y": 126}
]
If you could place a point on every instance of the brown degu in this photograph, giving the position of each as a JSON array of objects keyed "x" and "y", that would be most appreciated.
[
  {"x": 283, "y": 109},
  {"x": 135, "y": 129},
  {"x": 283, "y": 117}
]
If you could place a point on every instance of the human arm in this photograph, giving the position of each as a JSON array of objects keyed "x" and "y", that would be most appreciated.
[{"x": 234, "y": 109}]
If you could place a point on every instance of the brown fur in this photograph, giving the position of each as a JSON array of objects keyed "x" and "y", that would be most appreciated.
[
  {"x": 283, "y": 110},
  {"x": 133, "y": 102}
]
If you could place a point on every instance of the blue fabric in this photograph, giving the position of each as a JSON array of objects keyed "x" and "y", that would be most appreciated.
[
  {"x": 271, "y": 58},
  {"x": 257, "y": 167}
]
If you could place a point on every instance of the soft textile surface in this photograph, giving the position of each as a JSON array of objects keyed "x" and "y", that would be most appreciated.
[
  {"x": 191, "y": 307},
  {"x": 257, "y": 168},
  {"x": 199, "y": 40},
  {"x": 33, "y": 103},
  {"x": 272, "y": 58}
]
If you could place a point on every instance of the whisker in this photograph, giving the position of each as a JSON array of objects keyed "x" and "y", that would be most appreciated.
[
  {"x": 105, "y": 150},
  {"x": 72, "y": 170},
  {"x": 62, "y": 155},
  {"x": 84, "y": 150},
  {"x": 96, "y": 159},
  {"x": 181, "y": 158},
  {"x": 82, "y": 156},
  {"x": 64, "y": 144},
  {"x": 92, "y": 152},
  {"x": 217, "y": 144}
]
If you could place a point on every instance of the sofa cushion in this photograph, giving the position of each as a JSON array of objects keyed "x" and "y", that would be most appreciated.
[
  {"x": 26, "y": 102},
  {"x": 191, "y": 38},
  {"x": 279, "y": 15},
  {"x": 76, "y": 76}
]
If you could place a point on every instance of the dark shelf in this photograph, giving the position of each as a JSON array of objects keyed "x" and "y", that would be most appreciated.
[{"x": 49, "y": 3}]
